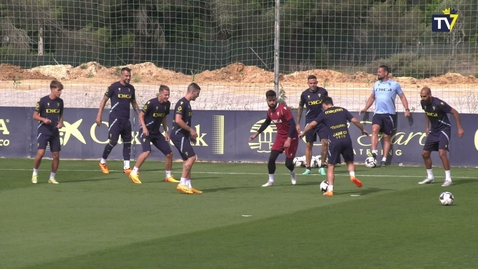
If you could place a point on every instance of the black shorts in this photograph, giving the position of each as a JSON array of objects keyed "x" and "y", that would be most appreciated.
[
  {"x": 183, "y": 144},
  {"x": 438, "y": 140},
  {"x": 343, "y": 148},
  {"x": 319, "y": 130},
  {"x": 387, "y": 123},
  {"x": 119, "y": 127},
  {"x": 157, "y": 140},
  {"x": 50, "y": 138}
]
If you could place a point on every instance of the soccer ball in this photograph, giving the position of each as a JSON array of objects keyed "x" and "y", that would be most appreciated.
[
  {"x": 446, "y": 198},
  {"x": 323, "y": 186},
  {"x": 299, "y": 161},
  {"x": 314, "y": 162},
  {"x": 370, "y": 162}
]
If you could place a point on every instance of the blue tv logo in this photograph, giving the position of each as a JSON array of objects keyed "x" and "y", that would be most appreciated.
[{"x": 445, "y": 22}]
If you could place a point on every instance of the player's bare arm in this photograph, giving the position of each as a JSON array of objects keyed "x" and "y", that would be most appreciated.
[
  {"x": 135, "y": 106},
  {"x": 369, "y": 103},
  {"x": 427, "y": 124},
  {"x": 455, "y": 113},
  {"x": 264, "y": 125},
  {"x": 143, "y": 124},
  {"x": 404, "y": 100},
  {"x": 179, "y": 121},
  {"x": 165, "y": 128},
  {"x": 299, "y": 116},
  {"x": 360, "y": 126},
  {"x": 60, "y": 123},
  {"x": 309, "y": 126},
  {"x": 36, "y": 116},
  {"x": 100, "y": 109}
]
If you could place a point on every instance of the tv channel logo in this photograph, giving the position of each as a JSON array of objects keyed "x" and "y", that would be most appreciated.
[{"x": 444, "y": 23}]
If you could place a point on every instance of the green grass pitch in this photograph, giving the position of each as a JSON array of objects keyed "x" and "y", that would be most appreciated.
[{"x": 91, "y": 220}]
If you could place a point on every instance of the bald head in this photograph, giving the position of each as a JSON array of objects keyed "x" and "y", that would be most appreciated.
[{"x": 426, "y": 94}]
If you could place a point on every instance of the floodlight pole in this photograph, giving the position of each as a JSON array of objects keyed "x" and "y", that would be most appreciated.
[{"x": 276, "y": 47}]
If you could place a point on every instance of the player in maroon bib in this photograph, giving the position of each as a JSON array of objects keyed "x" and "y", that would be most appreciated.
[{"x": 287, "y": 137}]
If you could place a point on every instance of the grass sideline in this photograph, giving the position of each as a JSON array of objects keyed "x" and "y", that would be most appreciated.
[{"x": 91, "y": 220}]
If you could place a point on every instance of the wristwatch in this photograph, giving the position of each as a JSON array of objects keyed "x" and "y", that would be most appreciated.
[{"x": 406, "y": 109}]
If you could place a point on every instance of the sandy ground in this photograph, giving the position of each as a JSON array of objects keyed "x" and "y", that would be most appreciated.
[{"x": 234, "y": 87}]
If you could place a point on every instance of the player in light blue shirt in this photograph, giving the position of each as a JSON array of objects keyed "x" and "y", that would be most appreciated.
[{"x": 384, "y": 120}]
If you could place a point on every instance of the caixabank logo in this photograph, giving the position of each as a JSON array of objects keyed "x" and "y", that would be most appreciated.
[
  {"x": 444, "y": 23},
  {"x": 4, "y": 133}
]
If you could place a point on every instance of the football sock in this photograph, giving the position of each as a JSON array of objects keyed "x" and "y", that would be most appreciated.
[
  {"x": 182, "y": 181},
  {"x": 330, "y": 188},
  {"x": 188, "y": 183},
  {"x": 52, "y": 175},
  {"x": 308, "y": 168},
  {"x": 447, "y": 175},
  {"x": 35, "y": 171},
  {"x": 103, "y": 161},
  {"x": 135, "y": 170},
  {"x": 430, "y": 173},
  {"x": 352, "y": 174},
  {"x": 126, "y": 164},
  {"x": 375, "y": 152},
  {"x": 168, "y": 174},
  {"x": 271, "y": 177},
  {"x": 384, "y": 159}
]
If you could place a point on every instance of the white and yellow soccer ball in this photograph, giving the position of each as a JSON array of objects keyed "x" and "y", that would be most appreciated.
[
  {"x": 370, "y": 162},
  {"x": 446, "y": 198}
]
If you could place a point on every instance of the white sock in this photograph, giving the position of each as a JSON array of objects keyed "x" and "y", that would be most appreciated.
[
  {"x": 384, "y": 159},
  {"x": 188, "y": 183},
  {"x": 168, "y": 174},
  {"x": 182, "y": 181},
  {"x": 292, "y": 174},
  {"x": 448, "y": 175},
  {"x": 271, "y": 177},
  {"x": 375, "y": 151},
  {"x": 135, "y": 170},
  {"x": 52, "y": 175},
  {"x": 35, "y": 171},
  {"x": 352, "y": 174},
  {"x": 330, "y": 188},
  {"x": 103, "y": 161},
  {"x": 430, "y": 174},
  {"x": 126, "y": 164}
]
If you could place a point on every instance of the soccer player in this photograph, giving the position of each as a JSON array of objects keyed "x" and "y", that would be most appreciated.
[
  {"x": 312, "y": 99},
  {"x": 151, "y": 118},
  {"x": 182, "y": 134},
  {"x": 49, "y": 112},
  {"x": 336, "y": 119},
  {"x": 438, "y": 136},
  {"x": 122, "y": 94},
  {"x": 286, "y": 140},
  {"x": 384, "y": 120}
]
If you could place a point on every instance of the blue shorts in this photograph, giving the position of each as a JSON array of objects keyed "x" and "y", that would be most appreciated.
[
  {"x": 437, "y": 141},
  {"x": 183, "y": 144},
  {"x": 319, "y": 130},
  {"x": 387, "y": 123},
  {"x": 157, "y": 140},
  {"x": 119, "y": 127},
  {"x": 343, "y": 148},
  {"x": 52, "y": 139}
]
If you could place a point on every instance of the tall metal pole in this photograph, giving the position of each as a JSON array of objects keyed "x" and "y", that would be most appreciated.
[{"x": 276, "y": 47}]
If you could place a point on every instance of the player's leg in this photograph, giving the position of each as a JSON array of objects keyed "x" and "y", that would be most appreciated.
[
  {"x": 310, "y": 138},
  {"x": 324, "y": 140},
  {"x": 127, "y": 138},
  {"x": 55, "y": 148},
  {"x": 289, "y": 158},
  {"x": 146, "y": 150},
  {"x": 183, "y": 145},
  {"x": 42, "y": 141},
  {"x": 271, "y": 167},
  {"x": 431, "y": 144},
  {"x": 113, "y": 136},
  {"x": 347, "y": 152},
  {"x": 389, "y": 128},
  {"x": 443, "y": 147},
  {"x": 376, "y": 126},
  {"x": 333, "y": 159},
  {"x": 164, "y": 147}
]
